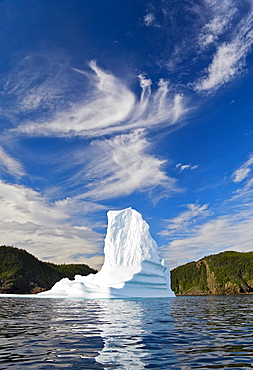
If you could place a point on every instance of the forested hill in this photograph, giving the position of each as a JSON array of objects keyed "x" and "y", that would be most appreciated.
[
  {"x": 223, "y": 273},
  {"x": 21, "y": 272}
]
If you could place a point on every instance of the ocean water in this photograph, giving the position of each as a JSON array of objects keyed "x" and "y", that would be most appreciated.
[{"x": 175, "y": 333}]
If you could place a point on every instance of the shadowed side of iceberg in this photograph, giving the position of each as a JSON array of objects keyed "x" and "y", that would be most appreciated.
[
  {"x": 153, "y": 280},
  {"x": 132, "y": 267}
]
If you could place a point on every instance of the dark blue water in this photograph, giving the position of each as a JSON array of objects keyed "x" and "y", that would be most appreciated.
[{"x": 175, "y": 333}]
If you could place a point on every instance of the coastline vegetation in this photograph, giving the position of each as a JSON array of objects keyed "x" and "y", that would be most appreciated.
[
  {"x": 224, "y": 273},
  {"x": 22, "y": 273}
]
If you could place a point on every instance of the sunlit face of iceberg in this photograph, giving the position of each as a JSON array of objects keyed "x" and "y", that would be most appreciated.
[{"x": 132, "y": 267}]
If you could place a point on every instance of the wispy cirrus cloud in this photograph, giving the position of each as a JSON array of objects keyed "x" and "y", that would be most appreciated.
[
  {"x": 229, "y": 58},
  {"x": 35, "y": 83},
  {"x": 243, "y": 171},
  {"x": 182, "y": 224},
  {"x": 242, "y": 177},
  {"x": 213, "y": 40},
  {"x": 230, "y": 232},
  {"x": 10, "y": 165},
  {"x": 28, "y": 221},
  {"x": 121, "y": 165},
  {"x": 220, "y": 16},
  {"x": 201, "y": 231},
  {"x": 110, "y": 107}
]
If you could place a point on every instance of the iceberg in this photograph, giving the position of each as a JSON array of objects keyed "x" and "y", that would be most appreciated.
[{"x": 131, "y": 269}]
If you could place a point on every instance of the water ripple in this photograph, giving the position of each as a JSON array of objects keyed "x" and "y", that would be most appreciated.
[{"x": 176, "y": 333}]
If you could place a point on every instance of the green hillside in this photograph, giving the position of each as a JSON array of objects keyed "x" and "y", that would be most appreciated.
[
  {"x": 223, "y": 273},
  {"x": 21, "y": 272}
]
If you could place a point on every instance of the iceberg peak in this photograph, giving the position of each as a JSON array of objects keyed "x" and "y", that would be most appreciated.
[
  {"x": 131, "y": 269},
  {"x": 128, "y": 241}
]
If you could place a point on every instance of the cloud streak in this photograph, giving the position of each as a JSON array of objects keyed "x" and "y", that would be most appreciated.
[
  {"x": 35, "y": 83},
  {"x": 201, "y": 231},
  {"x": 10, "y": 165},
  {"x": 220, "y": 15},
  {"x": 230, "y": 232},
  {"x": 243, "y": 171},
  {"x": 122, "y": 165},
  {"x": 182, "y": 224},
  {"x": 230, "y": 57},
  {"x": 110, "y": 107}
]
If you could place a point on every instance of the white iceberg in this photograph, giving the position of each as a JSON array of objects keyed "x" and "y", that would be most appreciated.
[{"x": 131, "y": 269}]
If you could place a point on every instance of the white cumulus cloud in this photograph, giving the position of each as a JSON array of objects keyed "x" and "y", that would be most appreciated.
[{"x": 28, "y": 221}]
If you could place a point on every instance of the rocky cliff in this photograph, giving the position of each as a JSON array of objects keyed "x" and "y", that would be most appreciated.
[{"x": 224, "y": 273}]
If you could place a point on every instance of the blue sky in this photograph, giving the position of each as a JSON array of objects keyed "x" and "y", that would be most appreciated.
[{"x": 113, "y": 104}]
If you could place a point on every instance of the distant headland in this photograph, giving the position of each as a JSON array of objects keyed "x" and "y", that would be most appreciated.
[
  {"x": 224, "y": 273},
  {"x": 22, "y": 273}
]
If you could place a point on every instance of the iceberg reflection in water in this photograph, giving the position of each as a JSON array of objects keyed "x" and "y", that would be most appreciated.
[
  {"x": 87, "y": 334},
  {"x": 183, "y": 333},
  {"x": 126, "y": 328}
]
